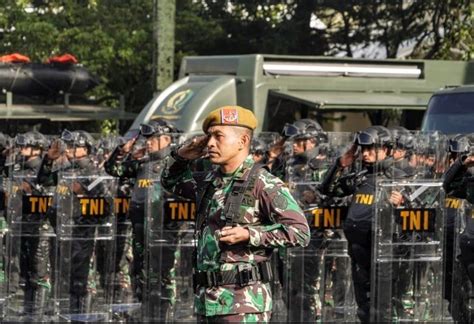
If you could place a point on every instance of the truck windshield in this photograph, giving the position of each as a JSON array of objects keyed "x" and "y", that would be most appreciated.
[{"x": 450, "y": 113}]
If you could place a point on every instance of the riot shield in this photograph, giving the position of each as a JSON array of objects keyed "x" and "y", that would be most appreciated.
[
  {"x": 3, "y": 231},
  {"x": 462, "y": 302},
  {"x": 84, "y": 253},
  {"x": 169, "y": 295},
  {"x": 124, "y": 305},
  {"x": 318, "y": 279},
  {"x": 408, "y": 241},
  {"x": 169, "y": 258},
  {"x": 28, "y": 244}
]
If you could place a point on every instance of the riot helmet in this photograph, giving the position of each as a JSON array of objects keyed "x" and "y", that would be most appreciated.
[
  {"x": 303, "y": 129},
  {"x": 402, "y": 138},
  {"x": 258, "y": 149},
  {"x": 107, "y": 144},
  {"x": 78, "y": 138},
  {"x": 374, "y": 136},
  {"x": 257, "y": 146},
  {"x": 459, "y": 144},
  {"x": 32, "y": 139},
  {"x": 157, "y": 127}
]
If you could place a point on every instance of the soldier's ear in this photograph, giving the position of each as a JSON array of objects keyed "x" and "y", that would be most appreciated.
[{"x": 245, "y": 139}]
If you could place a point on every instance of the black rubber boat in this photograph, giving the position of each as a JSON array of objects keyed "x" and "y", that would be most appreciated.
[{"x": 37, "y": 79}]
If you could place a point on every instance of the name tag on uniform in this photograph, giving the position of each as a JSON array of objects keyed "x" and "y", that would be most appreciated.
[
  {"x": 327, "y": 217},
  {"x": 36, "y": 205},
  {"x": 179, "y": 211},
  {"x": 416, "y": 219},
  {"x": 121, "y": 206},
  {"x": 93, "y": 207}
]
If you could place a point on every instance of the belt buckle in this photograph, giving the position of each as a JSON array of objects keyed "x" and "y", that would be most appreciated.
[{"x": 245, "y": 275}]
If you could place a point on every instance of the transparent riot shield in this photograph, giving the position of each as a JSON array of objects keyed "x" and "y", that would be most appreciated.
[
  {"x": 169, "y": 258},
  {"x": 3, "y": 231},
  {"x": 85, "y": 246},
  {"x": 462, "y": 300},
  {"x": 408, "y": 242},
  {"x": 318, "y": 280},
  {"x": 29, "y": 239},
  {"x": 169, "y": 295},
  {"x": 124, "y": 305}
]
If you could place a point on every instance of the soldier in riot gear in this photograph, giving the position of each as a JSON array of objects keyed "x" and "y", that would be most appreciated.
[
  {"x": 76, "y": 157},
  {"x": 302, "y": 132},
  {"x": 4, "y": 149},
  {"x": 318, "y": 266},
  {"x": 457, "y": 147},
  {"x": 300, "y": 161},
  {"x": 416, "y": 286},
  {"x": 129, "y": 163},
  {"x": 375, "y": 143},
  {"x": 403, "y": 143},
  {"x": 258, "y": 150},
  {"x": 458, "y": 184},
  {"x": 34, "y": 246}
]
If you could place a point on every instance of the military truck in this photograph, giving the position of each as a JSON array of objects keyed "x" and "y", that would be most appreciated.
[
  {"x": 451, "y": 111},
  {"x": 343, "y": 94}
]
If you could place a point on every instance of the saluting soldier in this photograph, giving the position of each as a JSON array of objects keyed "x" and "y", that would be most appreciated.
[
  {"x": 374, "y": 143},
  {"x": 129, "y": 161},
  {"x": 243, "y": 213}
]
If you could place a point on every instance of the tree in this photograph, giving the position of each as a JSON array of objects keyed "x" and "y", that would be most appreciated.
[{"x": 114, "y": 39}]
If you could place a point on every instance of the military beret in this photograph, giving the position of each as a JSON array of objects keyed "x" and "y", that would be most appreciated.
[{"x": 231, "y": 116}]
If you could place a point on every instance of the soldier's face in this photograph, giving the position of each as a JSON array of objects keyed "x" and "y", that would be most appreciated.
[
  {"x": 28, "y": 151},
  {"x": 224, "y": 143},
  {"x": 302, "y": 145},
  {"x": 156, "y": 143},
  {"x": 398, "y": 154},
  {"x": 372, "y": 154},
  {"x": 430, "y": 160},
  {"x": 258, "y": 156},
  {"x": 76, "y": 152}
]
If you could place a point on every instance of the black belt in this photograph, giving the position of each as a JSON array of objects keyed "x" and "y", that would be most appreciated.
[{"x": 242, "y": 275}]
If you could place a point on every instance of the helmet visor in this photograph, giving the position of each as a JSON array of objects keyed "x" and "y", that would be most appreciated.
[
  {"x": 147, "y": 130},
  {"x": 457, "y": 146},
  {"x": 290, "y": 130},
  {"x": 363, "y": 138},
  {"x": 67, "y": 136},
  {"x": 21, "y": 140}
]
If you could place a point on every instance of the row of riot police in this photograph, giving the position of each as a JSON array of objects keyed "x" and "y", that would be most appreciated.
[
  {"x": 89, "y": 236},
  {"x": 391, "y": 224}
]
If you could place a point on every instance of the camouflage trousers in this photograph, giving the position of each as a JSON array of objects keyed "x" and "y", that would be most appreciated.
[{"x": 236, "y": 318}]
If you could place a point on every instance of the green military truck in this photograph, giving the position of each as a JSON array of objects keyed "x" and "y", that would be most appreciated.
[{"x": 343, "y": 94}]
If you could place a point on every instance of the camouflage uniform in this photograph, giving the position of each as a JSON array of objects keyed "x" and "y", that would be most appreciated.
[
  {"x": 123, "y": 245},
  {"x": 143, "y": 172},
  {"x": 273, "y": 220},
  {"x": 305, "y": 167}
]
